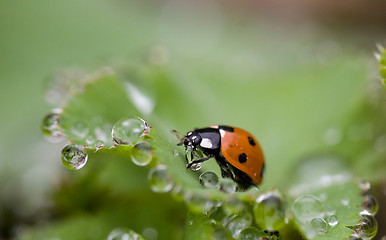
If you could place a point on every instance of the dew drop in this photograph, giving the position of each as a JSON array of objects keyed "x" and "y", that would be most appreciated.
[
  {"x": 237, "y": 223},
  {"x": 333, "y": 220},
  {"x": 159, "y": 179},
  {"x": 370, "y": 205},
  {"x": 209, "y": 180},
  {"x": 128, "y": 130},
  {"x": 307, "y": 207},
  {"x": 319, "y": 225},
  {"x": 79, "y": 129},
  {"x": 99, "y": 144},
  {"x": 124, "y": 234},
  {"x": 251, "y": 233},
  {"x": 74, "y": 156},
  {"x": 227, "y": 186},
  {"x": 142, "y": 154},
  {"x": 367, "y": 227},
  {"x": 50, "y": 126},
  {"x": 269, "y": 211},
  {"x": 196, "y": 166}
]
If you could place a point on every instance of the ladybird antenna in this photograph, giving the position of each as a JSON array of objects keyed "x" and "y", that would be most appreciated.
[{"x": 178, "y": 135}]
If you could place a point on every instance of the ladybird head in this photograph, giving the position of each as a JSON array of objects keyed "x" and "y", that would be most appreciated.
[{"x": 191, "y": 140}]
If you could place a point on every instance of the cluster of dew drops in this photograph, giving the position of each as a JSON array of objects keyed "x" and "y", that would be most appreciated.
[
  {"x": 270, "y": 211},
  {"x": 316, "y": 218},
  {"x": 127, "y": 131}
]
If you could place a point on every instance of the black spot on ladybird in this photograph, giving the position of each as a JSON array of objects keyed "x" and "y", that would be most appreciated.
[
  {"x": 243, "y": 158},
  {"x": 250, "y": 139}
]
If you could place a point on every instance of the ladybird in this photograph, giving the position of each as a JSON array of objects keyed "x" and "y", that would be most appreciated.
[{"x": 235, "y": 150}]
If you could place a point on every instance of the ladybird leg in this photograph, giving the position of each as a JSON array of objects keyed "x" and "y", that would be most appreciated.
[
  {"x": 189, "y": 165},
  {"x": 226, "y": 172},
  {"x": 186, "y": 158}
]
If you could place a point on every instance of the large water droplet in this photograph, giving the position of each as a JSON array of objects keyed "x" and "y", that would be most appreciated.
[
  {"x": 306, "y": 208},
  {"x": 209, "y": 180},
  {"x": 79, "y": 129},
  {"x": 228, "y": 186},
  {"x": 237, "y": 223},
  {"x": 142, "y": 154},
  {"x": 74, "y": 156},
  {"x": 333, "y": 220},
  {"x": 370, "y": 205},
  {"x": 251, "y": 233},
  {"x": 128, "y": 130},
  {"x": 269, "y": 211},
  {"x": 50, "y": 126},
  {"x": 159, "y": 179},
  {"x": 367, "y": 227},
  {"x": 124, "y": 234}
]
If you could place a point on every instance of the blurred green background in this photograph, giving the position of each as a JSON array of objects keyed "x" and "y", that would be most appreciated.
[{"x": 245, "y": 63}]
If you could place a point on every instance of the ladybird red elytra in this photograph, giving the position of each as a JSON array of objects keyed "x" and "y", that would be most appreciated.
[{"x": 236, "y": 151}]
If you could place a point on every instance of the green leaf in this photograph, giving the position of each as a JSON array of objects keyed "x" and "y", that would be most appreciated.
[{"x": 97, "y": 102}]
